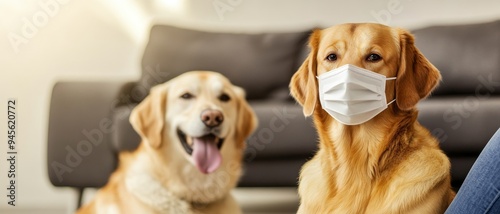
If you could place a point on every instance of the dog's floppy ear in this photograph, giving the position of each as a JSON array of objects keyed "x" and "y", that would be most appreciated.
[
  {"x": 148, "y": 118},
  {"x": 304, "y": 86},
  {"x": 416, "y": 77},
  {"x": 247, "y": 120}
]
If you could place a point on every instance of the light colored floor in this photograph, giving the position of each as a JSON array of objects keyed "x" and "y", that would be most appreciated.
[
  {"x": 33, "y": 211},
  {"x": 267, "y": 200},
  {"x": 252, "y": 200}
]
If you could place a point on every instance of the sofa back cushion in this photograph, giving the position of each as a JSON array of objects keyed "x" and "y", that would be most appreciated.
[
  {"x": 260, "y": 63},
  {"x": 468, "y": 57}
]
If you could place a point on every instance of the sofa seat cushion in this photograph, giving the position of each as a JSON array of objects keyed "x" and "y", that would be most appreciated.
[
  {"x": 283, "y": 132},
  {"x": 463, "y": 125}
]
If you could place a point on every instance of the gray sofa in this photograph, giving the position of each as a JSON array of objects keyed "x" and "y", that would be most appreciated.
[
  {"x": 464, "y": 111},
  {"x": 88, "y": 122}
]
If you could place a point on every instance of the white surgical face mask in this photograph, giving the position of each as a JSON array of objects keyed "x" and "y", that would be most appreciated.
[{"x": 352, "y": 95}]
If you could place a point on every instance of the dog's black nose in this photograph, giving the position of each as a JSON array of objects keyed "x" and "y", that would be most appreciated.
[{"x": 212, "y": 118}]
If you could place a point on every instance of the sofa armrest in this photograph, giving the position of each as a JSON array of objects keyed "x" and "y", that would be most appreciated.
[{"x": 80, "y": 127}]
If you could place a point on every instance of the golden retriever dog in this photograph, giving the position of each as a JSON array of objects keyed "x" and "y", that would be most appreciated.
[
  {"x": 390, "y": 163},
  {"x": 193, "y": 131}
]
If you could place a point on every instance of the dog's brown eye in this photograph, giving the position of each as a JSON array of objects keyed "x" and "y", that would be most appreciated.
[
  {"x": 331, "y": 57},
  {"x": 224, "y": 97},
  {"x": 373, "y": 58},
  {"x": 187, "y": 96}
]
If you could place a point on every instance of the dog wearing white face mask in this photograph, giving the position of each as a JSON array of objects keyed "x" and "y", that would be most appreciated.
[
  {"x": 361, "y": 84},
  {"x": 353, "y": 95}
]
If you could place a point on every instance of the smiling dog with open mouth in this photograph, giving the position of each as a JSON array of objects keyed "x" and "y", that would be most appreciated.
[
  {"x": 371, "y": 159},
  {"x": 193, "y": 131}
]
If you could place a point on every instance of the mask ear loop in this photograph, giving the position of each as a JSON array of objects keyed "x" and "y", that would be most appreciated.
[
  {"x": 391, "y": 101},
  {"x": 391, "y": 78}
]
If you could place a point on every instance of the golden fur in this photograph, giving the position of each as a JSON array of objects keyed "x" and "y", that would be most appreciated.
[
  {"x": 159, "y": 176},
  {"x": 389, "y": 164}
]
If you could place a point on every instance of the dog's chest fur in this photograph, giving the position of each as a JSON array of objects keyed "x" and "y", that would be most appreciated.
[
  {"x": 350, "y": 175},
  {"x": 152, "y": 193},
  {"x": 185, "y": 192}
]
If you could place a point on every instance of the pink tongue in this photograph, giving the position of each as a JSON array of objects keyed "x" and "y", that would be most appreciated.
[{"x": 206, "y": 155}]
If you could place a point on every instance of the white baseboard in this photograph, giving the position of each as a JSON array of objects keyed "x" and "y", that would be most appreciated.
[
  {"x": 252, "y": 201},
  {"x": 33, "y": 211}
]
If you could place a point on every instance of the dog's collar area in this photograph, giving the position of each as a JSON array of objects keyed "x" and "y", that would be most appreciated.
[
  {"x": 183, "y": 138},
  {"x": 151, "y": 192}
]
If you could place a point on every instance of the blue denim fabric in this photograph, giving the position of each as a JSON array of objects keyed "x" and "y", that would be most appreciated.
[{"x": 480, "y": 192}]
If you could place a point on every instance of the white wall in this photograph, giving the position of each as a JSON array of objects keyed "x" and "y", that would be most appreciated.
[
  {"x": 256, "y": 15},
  {"x": 103, "y": 40},
  {"x": 83, "y": 40}
]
